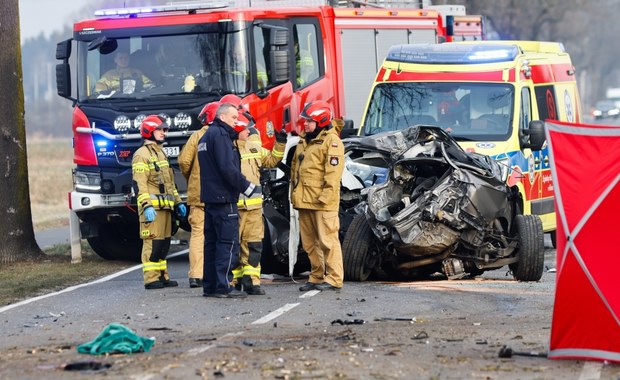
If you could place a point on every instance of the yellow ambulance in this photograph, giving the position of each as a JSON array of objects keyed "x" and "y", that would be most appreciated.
[{"x": 491, "y": 96}]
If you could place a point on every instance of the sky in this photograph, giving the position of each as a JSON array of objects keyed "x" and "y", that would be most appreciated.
[{"x": 45, "y": 16}]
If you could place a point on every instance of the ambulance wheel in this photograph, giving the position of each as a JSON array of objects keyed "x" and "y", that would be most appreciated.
[
  {"x": 117, "y": 241},
  {"x": 531, "y": 250},
  {"x": 358, "y": 255}
]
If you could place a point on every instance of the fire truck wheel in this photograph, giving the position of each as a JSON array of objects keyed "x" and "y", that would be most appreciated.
[
  {"x": 117, "y": 241},
  {"x": 357, "y": 257},
  {"x": 531, "y": 250}
]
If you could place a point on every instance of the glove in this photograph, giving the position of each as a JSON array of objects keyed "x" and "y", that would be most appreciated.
[
  {"x": 181, "y": 210},
  {"x": 150, "y": 213},
  {"x": 282, "y": 136}
]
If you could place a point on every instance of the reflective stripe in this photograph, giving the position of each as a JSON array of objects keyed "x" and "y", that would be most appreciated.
[
  {"x": 143, "y": 197},
  {"x": 247, "y": 156},
  {"x": 277, "y": 153},
  {"x": 150, "y": 266},
  {"x": 140, "y": 167},
  {"x": 250, "y": 201},
  {"x": 237, "y": 273},
  {"x": 163, "y": 200},
  {"x": 163, "y": 265},
  {"x": 249, "y": 270}
]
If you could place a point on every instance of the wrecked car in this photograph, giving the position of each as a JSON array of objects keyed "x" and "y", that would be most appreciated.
[{"x": 428, "y": 206}]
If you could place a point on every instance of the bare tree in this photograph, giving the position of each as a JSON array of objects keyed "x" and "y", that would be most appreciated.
[{"x": 16, "y": 229}]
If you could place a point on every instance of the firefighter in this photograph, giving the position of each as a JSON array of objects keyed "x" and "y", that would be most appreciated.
[
  {"x": 188, "y": 163},
  {"x": 157, "y": 197},
  {"x": 316, "y": 171},
  {"x": 221, "y": 182},
  {"x": 123, "y": 78},
  {"x": 251, "y": 228}
]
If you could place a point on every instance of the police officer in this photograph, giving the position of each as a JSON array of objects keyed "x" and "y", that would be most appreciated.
[
  {"x": 188, "y": 162},
  {"x": 251, "y": 227},
  {"x": 221, "y": 182},
  {"x": 316, "y": 171},
  {"x": 157, "y": 197}
]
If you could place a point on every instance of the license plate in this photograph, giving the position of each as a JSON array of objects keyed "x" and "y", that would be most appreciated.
[{"x": 171, "y": 151}]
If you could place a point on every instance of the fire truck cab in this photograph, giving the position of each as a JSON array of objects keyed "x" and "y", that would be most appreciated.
[
  {"x": 492, "y": 96},
  {"x": 171, "y": 60}
]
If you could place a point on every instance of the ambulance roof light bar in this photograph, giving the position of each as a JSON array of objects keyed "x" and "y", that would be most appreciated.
[
  {"x": 450, "y": 53},
  {"x": 189, "y": 6}
]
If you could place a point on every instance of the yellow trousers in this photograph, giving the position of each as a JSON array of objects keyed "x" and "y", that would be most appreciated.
[
  {"x": 196, "y": 220},
  {"x": 155, "y": 245},
  {"x": 319, "y": 238}
]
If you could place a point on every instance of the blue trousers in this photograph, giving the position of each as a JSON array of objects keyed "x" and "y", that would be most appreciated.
[{"x": 221, "y": 253}]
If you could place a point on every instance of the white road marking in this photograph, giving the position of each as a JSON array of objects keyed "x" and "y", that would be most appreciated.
[
  {"x": 72, "y": 288},
  {"x": 199, "y": 350},
  {"x": 275, "y": 314},
  {"x": 310, "y": 293},
  {"x": 591, "y": 371}
]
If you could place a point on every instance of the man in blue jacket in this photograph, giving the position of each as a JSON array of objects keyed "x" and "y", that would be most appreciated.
[{"x": 221, "y": 182}]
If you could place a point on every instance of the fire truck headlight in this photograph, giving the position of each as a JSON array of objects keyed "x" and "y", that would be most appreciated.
[
  {"x": 137, "y": 122},
  {"x": 87, "y": 181},
  {"x": 122, "y": 123},
  {"x": 182, "y": 120}
]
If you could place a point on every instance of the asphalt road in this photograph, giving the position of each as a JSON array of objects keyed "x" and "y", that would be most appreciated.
[{"x": 455, "y": 330}]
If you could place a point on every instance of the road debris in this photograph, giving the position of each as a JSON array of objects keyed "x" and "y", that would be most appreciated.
[{"x": 507, "y": 352}]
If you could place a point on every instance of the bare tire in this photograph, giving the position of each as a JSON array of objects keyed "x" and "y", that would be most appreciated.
[
  {"x": 356, "y": 257},
  {"x": 531, "y": 251},
  {"x": 117, "y": 241}
]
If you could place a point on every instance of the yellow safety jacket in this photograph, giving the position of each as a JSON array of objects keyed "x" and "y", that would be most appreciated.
[
  {"x": 316, "y": 171},
  {"x": 154, "y": 178},
  {"x": 188, "y": 162},
  {"x": 253, "y": 157},
  {"x": 111, "y": 80}
]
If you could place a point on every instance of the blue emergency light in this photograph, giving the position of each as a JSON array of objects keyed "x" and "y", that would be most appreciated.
[{"x": 452, "y": 53}]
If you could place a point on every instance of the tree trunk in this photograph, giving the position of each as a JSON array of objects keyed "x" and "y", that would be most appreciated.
[{"x": 16, "y": 231}]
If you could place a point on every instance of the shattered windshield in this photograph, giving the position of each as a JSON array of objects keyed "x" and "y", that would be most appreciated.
[
  {"x": 139, "y": 67},
  {"x": 468, "y": 111}
]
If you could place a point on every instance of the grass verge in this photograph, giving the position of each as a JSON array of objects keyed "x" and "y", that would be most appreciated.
[{"x": 55, "y": 272}]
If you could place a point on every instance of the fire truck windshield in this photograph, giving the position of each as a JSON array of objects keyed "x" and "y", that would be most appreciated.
[
  {"x": 140, "y": 67},
  {"x": 469, "y": 111}
]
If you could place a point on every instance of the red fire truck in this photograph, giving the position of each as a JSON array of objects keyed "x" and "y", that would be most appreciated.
[{"x": 186, "y": 55}]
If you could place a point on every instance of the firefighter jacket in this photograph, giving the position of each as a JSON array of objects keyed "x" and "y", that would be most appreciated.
[
  {"x": 316, "y": 172},
  {"x": 153, "y": 178},
  {"x": 132, "y": 80},
  {"x": 253, "y": 157},
  {"x": 221, "y": 180},
  {"x": 188, "y": 162}
]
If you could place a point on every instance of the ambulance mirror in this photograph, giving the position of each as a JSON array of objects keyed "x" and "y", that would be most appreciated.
[{"x": 536, "y": 132}]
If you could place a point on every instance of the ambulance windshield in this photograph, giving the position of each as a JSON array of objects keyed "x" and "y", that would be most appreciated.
[
  {"x": 469, "y": 111},
  {"x": 141, "y": 67}
]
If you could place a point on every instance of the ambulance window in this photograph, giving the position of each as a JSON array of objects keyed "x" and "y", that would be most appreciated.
[
  {"x": 306, "y": 48},
  {"x": 525, "y": 112}
]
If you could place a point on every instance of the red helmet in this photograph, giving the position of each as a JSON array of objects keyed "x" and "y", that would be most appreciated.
[
  {"x": 207, "y": 114},
  {"x": 232, "y": 99},
  {"x": 151, "y": 123},
  {"x": 318, "y": 111}
]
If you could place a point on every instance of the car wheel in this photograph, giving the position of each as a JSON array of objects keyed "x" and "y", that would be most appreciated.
[
  {"x": 117, "y": 241},
  {"x": 356, "y": 250},
  {"x": 531, "y": 250}
]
